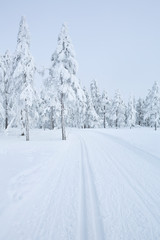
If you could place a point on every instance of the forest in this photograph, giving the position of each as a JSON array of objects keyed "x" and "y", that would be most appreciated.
[{"x": 63, "y": 101}]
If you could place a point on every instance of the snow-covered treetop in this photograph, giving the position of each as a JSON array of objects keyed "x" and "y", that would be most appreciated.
[
  {"x": 64, "y": 68},
  {"x": 5, "y": 64},
  {"x": 64, "y": 52},
  {"x": 117, "y": 98},
  {"x": 153, "y": 100},
  {"x": 94, "y": 90},
  {"x": 155, "y": 89},
  {"x": 23, "y": 39},
  {"x": 23, "y": 60},
  {"x": 118, "y": 106}
]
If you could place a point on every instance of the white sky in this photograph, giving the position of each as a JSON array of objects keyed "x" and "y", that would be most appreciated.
[{"x": 117, "y": 42}]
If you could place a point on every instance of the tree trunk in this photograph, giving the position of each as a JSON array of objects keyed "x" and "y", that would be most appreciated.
[
  {"x": 155, "y": 125},
  {"x": 62, "y": 112},
  {"x": 6, "y": 102},
  {"x": 62, "y": 118},
  {"x": 26, "y": 121},
  {"x": 6, "y": 122},
  {"x": 22, "y": 124},
  {"x": 6, "y": 111},
  {"x": 52, "y": 119},
  {"x": 104, "y": 121},
  {"x": 116, "y": 123}
]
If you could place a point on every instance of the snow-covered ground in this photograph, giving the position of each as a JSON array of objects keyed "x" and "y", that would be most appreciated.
[{"x": 99, "y": 184}]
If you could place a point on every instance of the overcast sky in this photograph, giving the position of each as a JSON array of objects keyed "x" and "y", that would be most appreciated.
[{"x": 117, "y": 42}]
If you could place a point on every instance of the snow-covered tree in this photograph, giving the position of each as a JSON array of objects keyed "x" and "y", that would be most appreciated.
[
  {"x": 117, "y": 113},
  {"x": 52, "y": 104},
  {"x": 24, "y": 71},
  {"x": 6, "y": 86},
  {"x": 105, "y": 106},
  {"x": 2, "y": 113},
  {"x": 43, "y": 109},
  {"x": 152, "y": 106},
  {"x": 63, "y": 72},
  {"x": 96, "y": 97},
  {"x": 92, "y": 119},
  {"x": 131, "y": 113},
  {"x": 76, "y": 114},
  {"x": 140, "y": 112},
  {"x": 79, "y": 114}
]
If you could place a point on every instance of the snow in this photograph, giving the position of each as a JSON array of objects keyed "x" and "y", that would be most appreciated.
[{"x": 99, "y": 184}]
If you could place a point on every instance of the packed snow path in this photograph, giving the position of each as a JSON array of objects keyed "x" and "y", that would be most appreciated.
[{"x": 95, "y": 186}]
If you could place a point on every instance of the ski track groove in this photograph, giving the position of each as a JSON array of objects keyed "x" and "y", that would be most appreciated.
[{"x": 89, "y": 203}]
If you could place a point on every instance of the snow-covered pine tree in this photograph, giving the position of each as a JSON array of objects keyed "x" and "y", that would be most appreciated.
[
  {"x": 2, "y": 113},
  {"x": 79, "y": 115},
  {"x": 50, "y": 96},
  {"x": 63, "y": 72},
  {"x": 76, "y": 114},
  {"x": 105, "y": 106},
  {"x": 152, "y": 106},
  {"x": 131, "y": 113},
  {"x": 140, "y": 112},
  {"x": 23, "y": 73},
  {"x": 117, "y": 113},
  {"x": 6, "y": 86},
  {"x": 43, "y": 110},
  {"x": 96, "y": 98},
  {"x": 91, "y": 119}
]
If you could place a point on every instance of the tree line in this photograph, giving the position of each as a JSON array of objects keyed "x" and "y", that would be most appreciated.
[{"x": 63, "y": 101}]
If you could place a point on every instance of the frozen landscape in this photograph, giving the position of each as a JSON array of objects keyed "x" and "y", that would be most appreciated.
[
  {"x": 99, "y": 184},
  {"x": 80, "y": 140}
]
